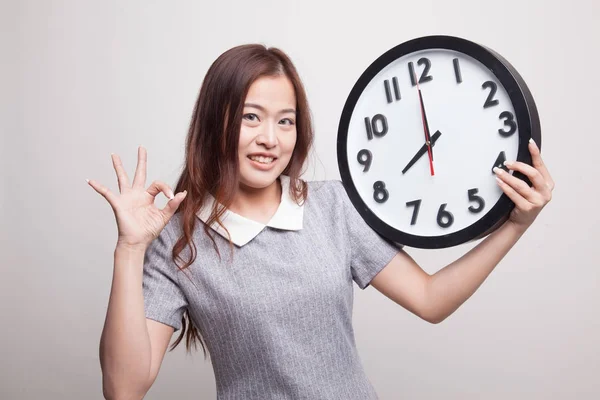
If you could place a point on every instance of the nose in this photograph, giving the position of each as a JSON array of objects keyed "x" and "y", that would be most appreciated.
[{"x": 268, "y": 135}]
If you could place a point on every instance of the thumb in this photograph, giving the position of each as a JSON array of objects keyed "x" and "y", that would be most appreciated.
[{"x": 172, "y": 205}]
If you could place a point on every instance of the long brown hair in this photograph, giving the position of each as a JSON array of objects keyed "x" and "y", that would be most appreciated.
[{"x": 211, "y": 151}]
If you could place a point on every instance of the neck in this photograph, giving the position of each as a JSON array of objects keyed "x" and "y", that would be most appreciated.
[{"x": 257, "y": 204}]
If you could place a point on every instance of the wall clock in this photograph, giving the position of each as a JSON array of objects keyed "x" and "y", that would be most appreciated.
[{"x": 420, "y": 132}]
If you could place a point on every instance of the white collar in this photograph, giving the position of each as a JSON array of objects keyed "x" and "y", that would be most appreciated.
[{"x": 288, "y": 216}]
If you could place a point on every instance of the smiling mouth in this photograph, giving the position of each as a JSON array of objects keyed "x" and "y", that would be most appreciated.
[{"x": 262, "y": 160}]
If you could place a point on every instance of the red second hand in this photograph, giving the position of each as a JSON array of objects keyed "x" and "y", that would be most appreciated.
[{"x": 427, "y": 137}]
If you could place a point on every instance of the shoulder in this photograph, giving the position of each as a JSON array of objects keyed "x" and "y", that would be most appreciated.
[
  {"x": 175, "y": 230},
  {"x": 174, "y": 227},
  {"x": 331, "y": 188},
  {"x": 328, "y": 195}
]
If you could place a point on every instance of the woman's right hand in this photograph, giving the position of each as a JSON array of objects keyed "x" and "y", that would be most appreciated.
[{"x": 139, "y": 221}]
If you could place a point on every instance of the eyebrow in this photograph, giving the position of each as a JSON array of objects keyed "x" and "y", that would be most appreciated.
[{"x": 285, "y": 110}]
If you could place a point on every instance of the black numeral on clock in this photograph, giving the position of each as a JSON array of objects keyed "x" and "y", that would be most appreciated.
[
  {"x": 417, "y": 205},
  {"x": 477, "y": 199},
  {"x": 500, "y": 162},
  {"x": 364, "y": 158},
  {"x": 445, "y": 219},
  {"x": 380, "y": 193},
  {"x": 457, "y": 70},
  {"x": 425, "y": 77},
  {"x": 378, "y": 126},
  {"x": 388, "y": 91},
  {"x": 490, "y": 101},
  {"x": 509, "y": 121}
]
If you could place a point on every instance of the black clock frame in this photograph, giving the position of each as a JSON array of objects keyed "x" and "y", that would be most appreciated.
[{"x": 528, "y": 123}]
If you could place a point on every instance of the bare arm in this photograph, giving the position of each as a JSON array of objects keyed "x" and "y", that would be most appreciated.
[
  {"x": 132, "y": 347},
  {"x": 435, "y": 297},
  {"x": 453, "y": 285}
]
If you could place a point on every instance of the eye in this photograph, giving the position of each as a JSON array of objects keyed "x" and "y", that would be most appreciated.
[
  {"x": 289, "y": 120},
  {"x": 251, "y": 117}
]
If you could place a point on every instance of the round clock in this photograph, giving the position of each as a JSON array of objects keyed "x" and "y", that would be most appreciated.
[{"x": 420, "y": 133}]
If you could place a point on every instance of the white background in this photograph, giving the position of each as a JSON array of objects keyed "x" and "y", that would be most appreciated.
[{"x": 82, "y": 79}]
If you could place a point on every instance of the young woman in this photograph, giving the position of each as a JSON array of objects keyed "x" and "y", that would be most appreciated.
[{"x": 257, "y": 264}]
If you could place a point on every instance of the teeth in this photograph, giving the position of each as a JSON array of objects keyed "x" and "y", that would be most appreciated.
[{"x": 261, "y": 159}]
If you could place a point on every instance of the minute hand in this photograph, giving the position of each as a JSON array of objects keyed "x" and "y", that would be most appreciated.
[
  {"x": 425, "y": 122},
  {"x": 422, "y": 151}
]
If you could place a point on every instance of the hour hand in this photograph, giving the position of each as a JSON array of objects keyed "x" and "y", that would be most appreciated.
[{"x": 422, "y": 151}]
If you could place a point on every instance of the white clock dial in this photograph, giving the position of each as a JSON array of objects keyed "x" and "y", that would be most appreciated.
[{"x": 473, "y": 122}]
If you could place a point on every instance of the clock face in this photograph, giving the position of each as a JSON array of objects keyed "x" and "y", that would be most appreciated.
[{"x": 444, "y": 194}]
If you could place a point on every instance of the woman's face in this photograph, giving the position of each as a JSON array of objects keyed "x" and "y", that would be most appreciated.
[{"x": 268, "y": 131}]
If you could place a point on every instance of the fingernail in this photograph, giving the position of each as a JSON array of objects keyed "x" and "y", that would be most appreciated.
[
  {"x": 499, "y": 180},
  {"x": 532, "y": 142},
  {"x": 498, "y": 170},
  {"x": 87, "y": 180},
  {"x": 508, "y": 163}
]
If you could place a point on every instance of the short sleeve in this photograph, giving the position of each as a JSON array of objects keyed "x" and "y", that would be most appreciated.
[
  {"x": 164, "y": 300},
  {"x": 369, "y": 251}
]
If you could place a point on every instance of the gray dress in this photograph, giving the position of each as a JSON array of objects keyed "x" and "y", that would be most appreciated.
[{"x": 277, "y": 317}]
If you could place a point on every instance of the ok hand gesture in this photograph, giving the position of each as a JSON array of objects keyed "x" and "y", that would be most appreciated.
[{"x": 139, "y": 221}]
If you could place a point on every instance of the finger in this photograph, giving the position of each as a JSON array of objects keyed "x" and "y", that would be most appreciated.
[
  {"x": 105, "y": 192},
  {"x": 520, "y": 201},
  {"x": 170, "y": 208},
  {"x": 534, "y": 175},
  {"x": 140, "y": 171},
  {"x": 159, "y": 186},
  {"x": 538, "y": 163},
  {"x": 122, "y": 178},
  {"x": 519, "y": 186}
]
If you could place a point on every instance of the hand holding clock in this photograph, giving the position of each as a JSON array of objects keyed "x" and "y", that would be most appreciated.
[{"x": 529, "y": 201}]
